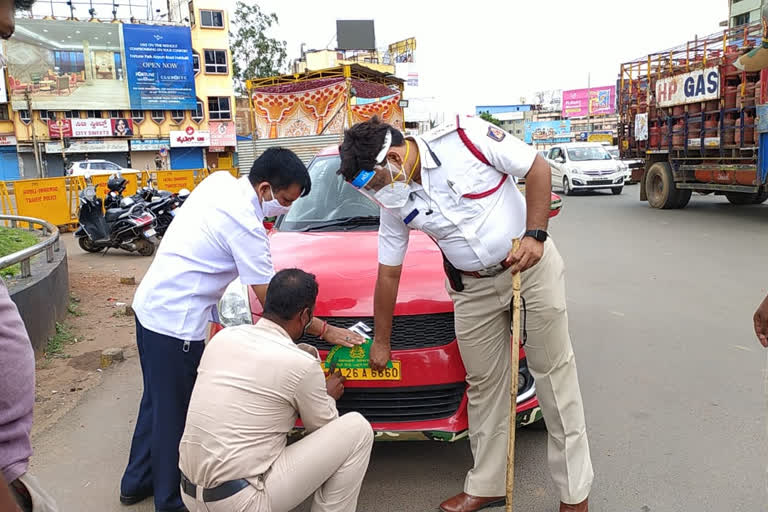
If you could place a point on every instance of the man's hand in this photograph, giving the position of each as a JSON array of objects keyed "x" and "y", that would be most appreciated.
[
  {"x": 381, "y": 352},
  {"x": 761, "y": 322},
  {"x": 527, "y": 255},
  {"x": 334, "y": 384},
  {"x": 343, "y": 337}
]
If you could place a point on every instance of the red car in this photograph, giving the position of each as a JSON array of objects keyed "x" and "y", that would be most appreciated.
[{"x": 332, "y": 233}]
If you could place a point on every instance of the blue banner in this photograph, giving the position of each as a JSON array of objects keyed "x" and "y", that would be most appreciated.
[{"x": 158, "y": 61}]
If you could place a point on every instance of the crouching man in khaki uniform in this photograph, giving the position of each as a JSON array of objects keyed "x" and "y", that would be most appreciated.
[{"x": 252, "y": 382}]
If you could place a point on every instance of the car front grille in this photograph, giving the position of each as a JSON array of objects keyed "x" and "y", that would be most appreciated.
[
  {"x": 600, "y": 182},
  {"x": 403, "y": 404},
  {"x": 408, "y": 332}
]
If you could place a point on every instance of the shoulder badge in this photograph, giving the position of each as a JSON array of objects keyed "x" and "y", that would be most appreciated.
[{"x": 496, "y": 133}]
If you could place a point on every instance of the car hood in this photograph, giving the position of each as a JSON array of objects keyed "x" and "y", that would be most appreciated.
[
  {"x": 595, "y": 165},
  {"x": 346, "y": 265}
]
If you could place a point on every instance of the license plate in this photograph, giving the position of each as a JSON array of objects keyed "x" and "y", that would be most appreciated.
[
  {"x": 393, "y": 373},
  {"x": 149, "y": 233}
]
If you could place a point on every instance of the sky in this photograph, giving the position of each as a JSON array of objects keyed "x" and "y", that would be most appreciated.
[{"x": 495, "y": 52}]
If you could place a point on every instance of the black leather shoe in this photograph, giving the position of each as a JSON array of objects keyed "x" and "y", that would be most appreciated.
[{"x": 134, "y": 498}]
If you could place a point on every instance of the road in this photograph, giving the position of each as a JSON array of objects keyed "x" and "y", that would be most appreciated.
[{"x": 660, "y": 304}]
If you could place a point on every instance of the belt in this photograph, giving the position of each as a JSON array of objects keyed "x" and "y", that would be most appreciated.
[
  {"x": 217, "y": 493},
  {"x": 488, "y": 272}
]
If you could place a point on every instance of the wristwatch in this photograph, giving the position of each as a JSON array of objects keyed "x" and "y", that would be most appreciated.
[{"x": 538, "y": 234}]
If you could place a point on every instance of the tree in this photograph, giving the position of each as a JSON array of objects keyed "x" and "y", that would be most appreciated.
[
  {"x": 254, "y": 53},
  {"x": 488, "y": 117}
]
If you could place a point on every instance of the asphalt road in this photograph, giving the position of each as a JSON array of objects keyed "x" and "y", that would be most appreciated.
[{"x": 673, "y": 379}]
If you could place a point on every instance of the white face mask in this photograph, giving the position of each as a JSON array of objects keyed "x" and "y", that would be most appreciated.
[
  {"x": 394, "y": 195},
  {"x": 273, "y": 208}
]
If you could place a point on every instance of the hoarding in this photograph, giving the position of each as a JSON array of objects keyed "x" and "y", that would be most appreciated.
[
  {"x": 693, "y": 87},
  {"x": 150, "y": 144},
  {"x": 160, "y": 69},
  {"x": 64, "y": 64},
  {"x": 89, "y": 146},
  {"x": 190, "y": 138},
  {"x": 90, "y": 127},
  {"x": 592, "y": 101},
  {"x": 547, "y": 132},
  {"x": 223, "y": 134}
]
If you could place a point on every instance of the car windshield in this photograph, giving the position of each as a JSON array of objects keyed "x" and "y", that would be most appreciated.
[
  {"x": 331, "y": 203},
  {"x": 613, "y": 152},
  {"x": 588, "y": 153}
]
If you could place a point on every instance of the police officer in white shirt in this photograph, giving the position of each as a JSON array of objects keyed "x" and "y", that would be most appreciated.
[
  {"x": 458, "y": 185},
  {"x": 217, "y": 235}
]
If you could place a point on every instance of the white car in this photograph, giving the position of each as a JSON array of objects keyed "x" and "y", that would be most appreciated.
[
  {"x": 95, "y": 167},
  {"x": 614, "y": 151},
  {"x": 585, "y": 166}
]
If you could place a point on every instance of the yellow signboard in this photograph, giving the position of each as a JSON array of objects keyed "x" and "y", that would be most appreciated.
[
  {"x": 600, "y": 137},
  {"x": 100, "y": 182},
  {"x": 45, "y": 199},
  {"x": 174, "y": 181}
]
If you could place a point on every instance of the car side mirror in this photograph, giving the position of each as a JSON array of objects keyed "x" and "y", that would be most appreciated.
[{"x": 560, "y": 159}]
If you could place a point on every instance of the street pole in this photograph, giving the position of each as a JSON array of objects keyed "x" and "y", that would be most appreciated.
[
  {"x": 589, "y": 104},
  {"x": 38, "y": 166}
]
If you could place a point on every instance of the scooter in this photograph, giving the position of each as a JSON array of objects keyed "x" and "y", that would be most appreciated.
[{"x": 129, "y": 227}]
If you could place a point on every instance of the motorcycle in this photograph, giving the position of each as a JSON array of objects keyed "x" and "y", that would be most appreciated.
[
  {"x": 161, "y": 203},
  {"x": 129, "y": 226}
]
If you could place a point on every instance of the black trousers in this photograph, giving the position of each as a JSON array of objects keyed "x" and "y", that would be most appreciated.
[{"x": 169, "y": 367}]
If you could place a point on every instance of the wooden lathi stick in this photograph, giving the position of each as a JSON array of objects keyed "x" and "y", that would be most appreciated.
[{"x": 514, "y": 368}]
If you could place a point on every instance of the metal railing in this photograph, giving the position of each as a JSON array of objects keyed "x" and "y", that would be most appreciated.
[{"x": 49, "y": 244}]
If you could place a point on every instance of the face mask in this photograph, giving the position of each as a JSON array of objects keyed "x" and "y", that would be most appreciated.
[
  {"x": 273, "y": 208},
  {"x": 396, "y": 194}
]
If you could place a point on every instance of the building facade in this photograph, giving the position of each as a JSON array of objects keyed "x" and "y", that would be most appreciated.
[{"x": 78, "y": 98}]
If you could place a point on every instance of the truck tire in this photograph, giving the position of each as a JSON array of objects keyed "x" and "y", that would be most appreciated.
[
  {"x": 761, "y": 197},
  {"x": 661, "y": 190},
  {"x": 743, "y": 198},
  {"x": 683, "y": 198}
]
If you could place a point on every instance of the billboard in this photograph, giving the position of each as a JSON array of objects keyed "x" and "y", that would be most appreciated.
[
  {"x": 693, "y": 87},
  {"x": 91, "y": 127},
  {"x": 592, "y": 101},
  {"x": 159, "y": 65},
  {"x": 547, "y": 132},
  {"x": 190, "y": 138},
  {"x": 62, "y": 64}
]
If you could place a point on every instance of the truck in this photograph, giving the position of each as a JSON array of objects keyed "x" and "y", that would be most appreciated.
[{"x": 694, "y": 122}]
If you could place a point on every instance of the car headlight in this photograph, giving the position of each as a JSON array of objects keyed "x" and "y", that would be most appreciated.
[{"x": 234, "y": 307}]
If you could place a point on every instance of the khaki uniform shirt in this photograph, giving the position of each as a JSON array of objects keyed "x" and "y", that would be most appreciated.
[{"x": 252, "y": 382}]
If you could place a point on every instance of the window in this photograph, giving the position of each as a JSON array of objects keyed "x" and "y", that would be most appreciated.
[
  {"x": 212, "y": 19},
  {"x": 44, "y": 115},
  {"x": 216, "y": 61},
  {"x": 137, "y": 116},
  {"x": 93, "y": 114},
  {"x": 158, "y": 116},
  {"x": 24, "y": 116},
  {"x": 178, "y": 115},
  {"x": 741, "y": 19},
  {"x": 72, "y": 114},
  {"x": 195, "y": 62},
  {"x": 4, "y": 115},
  {"x": 199, "y": 113},
  {"x": 116, "y": 114},
  {"x": 218, "y": 108}
]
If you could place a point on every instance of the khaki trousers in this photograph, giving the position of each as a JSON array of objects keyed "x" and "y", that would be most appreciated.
[
  {"x": 483, "y": 333},
  {"x": 330, "y": 462}
]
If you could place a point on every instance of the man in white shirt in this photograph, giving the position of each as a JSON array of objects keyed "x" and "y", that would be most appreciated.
[
  {"x": 253, "y": 382},
  {"x": 458, "y": 185},
  {"x": 217, "y": 235}
]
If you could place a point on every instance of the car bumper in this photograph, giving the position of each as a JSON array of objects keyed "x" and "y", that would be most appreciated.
[
  {"x": 597, "y": 182},
  {"x": 397, "y": 410}
]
